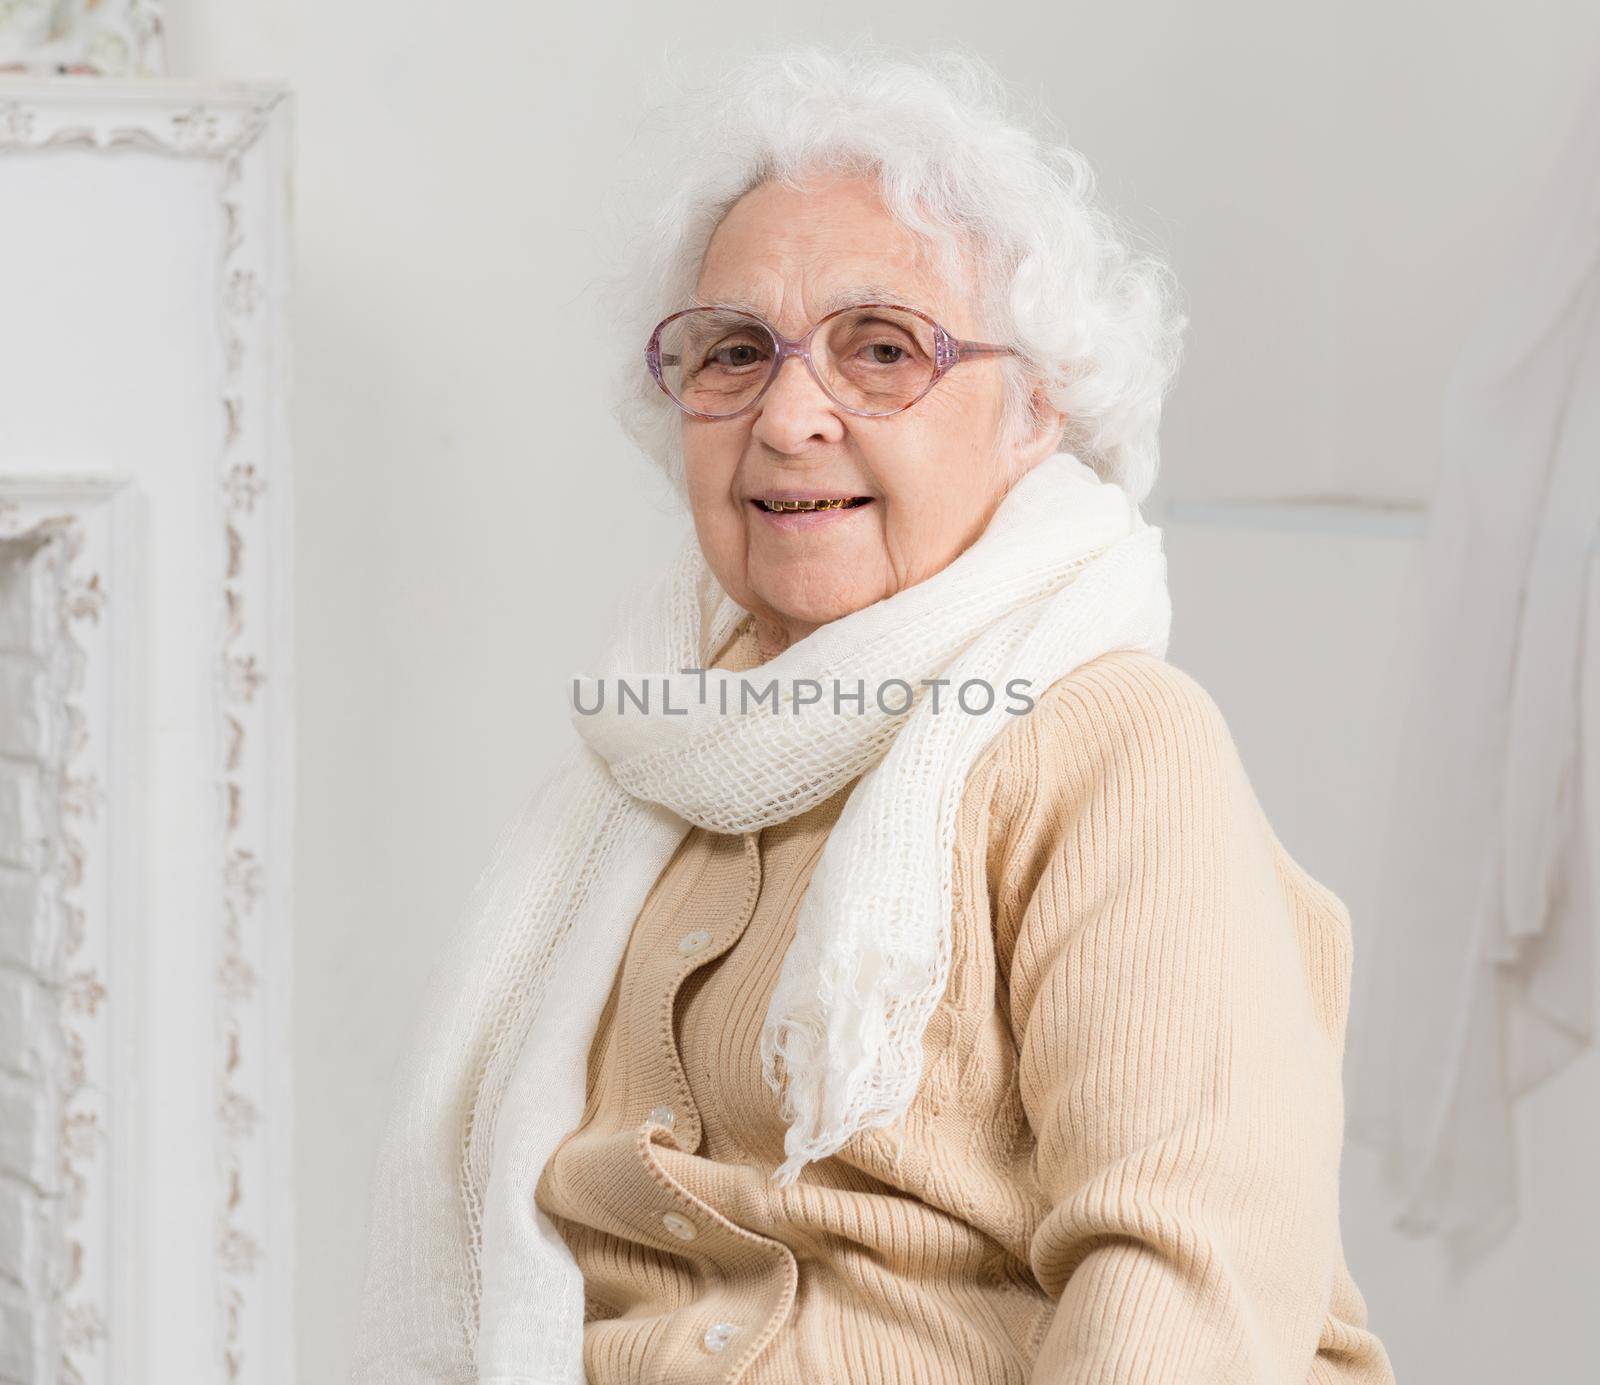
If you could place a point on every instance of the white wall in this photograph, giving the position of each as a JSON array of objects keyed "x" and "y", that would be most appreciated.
[{"x": 1330, "y": 180}]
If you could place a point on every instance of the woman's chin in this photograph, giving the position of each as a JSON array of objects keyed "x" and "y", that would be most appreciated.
[
  {"x": 816, "y": 588},
  {"x": 805, "y": 609}
]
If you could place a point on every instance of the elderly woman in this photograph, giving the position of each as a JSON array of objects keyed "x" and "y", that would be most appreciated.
[{"x": 899, "y": 982}]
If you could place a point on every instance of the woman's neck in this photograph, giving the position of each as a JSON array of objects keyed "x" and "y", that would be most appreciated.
[{"x": 774, "y": 635}]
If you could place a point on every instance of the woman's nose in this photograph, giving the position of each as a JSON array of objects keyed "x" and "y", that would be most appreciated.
[{"x": 795, "y": 408}]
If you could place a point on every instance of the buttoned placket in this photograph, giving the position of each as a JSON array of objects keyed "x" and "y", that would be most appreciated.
[
  {"x": 673, "y": 1105},
  {"x": 687, "y": 1225}
]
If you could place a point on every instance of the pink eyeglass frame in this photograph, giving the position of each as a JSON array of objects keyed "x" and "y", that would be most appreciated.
[{"x": 948, "y": 352}]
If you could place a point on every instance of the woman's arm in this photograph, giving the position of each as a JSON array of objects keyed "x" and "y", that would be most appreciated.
[{"x": 1178, "y": 996}]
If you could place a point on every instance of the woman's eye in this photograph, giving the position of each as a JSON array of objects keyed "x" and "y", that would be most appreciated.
[
  {"x": 735, "y": 356},
  {"x": 886, "y": 353}
]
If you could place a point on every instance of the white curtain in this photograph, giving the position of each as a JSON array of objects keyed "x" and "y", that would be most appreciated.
[{"x": 1475, "y": 978}]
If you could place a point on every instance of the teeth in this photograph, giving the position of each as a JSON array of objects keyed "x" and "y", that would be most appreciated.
[{"x": 841, "y": 503}]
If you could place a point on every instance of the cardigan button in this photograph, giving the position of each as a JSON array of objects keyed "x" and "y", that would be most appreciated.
[
  {"x": 718, "y": 1335},
  {"x": 679, "y": 1225},
  {"x": 691, "y": 943},
  {"x": 662, "y": 1115}
]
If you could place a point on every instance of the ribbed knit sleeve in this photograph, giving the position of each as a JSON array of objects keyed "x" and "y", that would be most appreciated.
[{"x": 1178, "y": 994}]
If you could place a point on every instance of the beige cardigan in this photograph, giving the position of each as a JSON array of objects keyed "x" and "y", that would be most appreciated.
[{"x": 1122, "y": 1162}]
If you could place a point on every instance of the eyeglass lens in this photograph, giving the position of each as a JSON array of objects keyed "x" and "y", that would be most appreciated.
[{"x": 873, "y": 358}]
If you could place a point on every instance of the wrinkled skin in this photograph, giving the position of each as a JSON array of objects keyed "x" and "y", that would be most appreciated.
[{"x": 934, "y": 473}]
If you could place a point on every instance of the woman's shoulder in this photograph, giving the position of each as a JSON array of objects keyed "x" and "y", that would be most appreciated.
[
  {"x": 1123, "y": 740},
  {"x": 1125, "y": 713},
  {"x": 1129, "y": 688},
  {"x": 1129, "y": 752}
]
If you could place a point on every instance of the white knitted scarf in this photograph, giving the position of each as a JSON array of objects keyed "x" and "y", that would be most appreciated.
[{"x": 467, "y": 1280}]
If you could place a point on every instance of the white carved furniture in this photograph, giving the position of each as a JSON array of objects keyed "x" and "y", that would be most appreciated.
[
  {"x": 114, "y": 38},
  {"x": 145, "y": 734}
]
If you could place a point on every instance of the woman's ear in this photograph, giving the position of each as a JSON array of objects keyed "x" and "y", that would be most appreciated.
[{"x": 1039, "y": 433}]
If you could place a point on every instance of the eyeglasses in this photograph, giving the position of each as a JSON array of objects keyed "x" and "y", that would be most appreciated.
[{"x": 871, "y": 359}]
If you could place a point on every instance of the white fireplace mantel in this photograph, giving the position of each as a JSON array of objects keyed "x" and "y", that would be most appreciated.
[{"x": 145, "y": 734}]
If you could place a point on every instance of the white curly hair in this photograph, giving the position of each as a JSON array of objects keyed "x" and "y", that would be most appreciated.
[{"x": 1094, "y": 318}]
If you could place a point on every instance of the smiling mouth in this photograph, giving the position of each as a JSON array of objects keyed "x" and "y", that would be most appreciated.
[{"x": 842, "y": 502}]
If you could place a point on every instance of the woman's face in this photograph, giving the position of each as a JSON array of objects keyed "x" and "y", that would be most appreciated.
[{"x": 932, "y": 475}]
